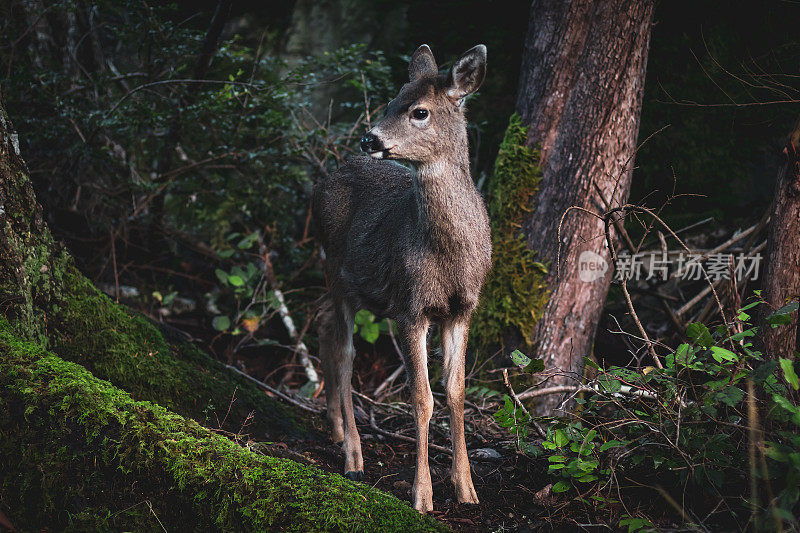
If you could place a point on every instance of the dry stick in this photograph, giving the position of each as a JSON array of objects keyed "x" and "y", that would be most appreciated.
[
  {"x": 274, "y": 391},
  {"x": 702, "y": 294},
  {"x": 388, "y": 381},
  {"x": 302, "y": 349},
  {"x": 620, "y": 226},
  {"x": 624, "y": 285},
  {"x": 398, "y": 436},
  {"x": 717, "y": 249},
  {"x": 535, "y": 393},
  {"x": 513, "y": 395}
]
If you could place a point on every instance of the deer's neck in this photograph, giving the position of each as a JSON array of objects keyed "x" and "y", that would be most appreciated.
[{"x": 449, "y": 203}]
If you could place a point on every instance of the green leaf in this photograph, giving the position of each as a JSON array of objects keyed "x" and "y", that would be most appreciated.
[
  {"x": 520, "y": 359},
  {"x": 781, "y": 316},
  {"x": 789, "y": 406},
  {"x": 699, "y": 334},
  {"x": 221, "y": 323},
  {"x": 561, "y": 486},
  {"x": 370, "y": 332},
  {"x": 364, "y": 317},
  {"x": 248, "y": 241},
  {"x": 721, "y": 354},
  {"x": 746, "y": 333},
  {"x": 788, "y": 372},
  {"x": 731, "y": 396},
  {"x": 221, "y": 275},
  {"x": 560, "y": 438},
  {"x": 307, "y": 390},
  {"x": 556, "y": 458},
  {"x": 236, "y": 281},
  {"x": 611, "y": 444}
]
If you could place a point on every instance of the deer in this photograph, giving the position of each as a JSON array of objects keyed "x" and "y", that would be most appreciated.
[{"x": 409, "y": 243}]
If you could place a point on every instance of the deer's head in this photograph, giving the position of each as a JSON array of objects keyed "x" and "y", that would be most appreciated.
[{"x": 425, "y": 122}]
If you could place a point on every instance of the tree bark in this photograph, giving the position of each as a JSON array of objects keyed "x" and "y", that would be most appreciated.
[
  {"x": 782, "y": 273},
  {"x": 580, "y": 93}
]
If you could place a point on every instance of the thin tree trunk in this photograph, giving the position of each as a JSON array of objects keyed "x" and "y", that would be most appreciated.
[
  {"x": 580, "y": 93},
  {"x": 782, "y": 276}
]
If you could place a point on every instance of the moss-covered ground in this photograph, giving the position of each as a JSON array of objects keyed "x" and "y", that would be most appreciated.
[{"x": 79, "y": 453}]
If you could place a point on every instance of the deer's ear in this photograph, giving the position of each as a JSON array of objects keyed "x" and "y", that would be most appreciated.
[
  {"x": 422, "y": 64},
  {"x": 467, "y": 73}
]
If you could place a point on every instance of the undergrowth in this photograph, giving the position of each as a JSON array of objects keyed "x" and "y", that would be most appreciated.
[{"x": 712, "y": 437}]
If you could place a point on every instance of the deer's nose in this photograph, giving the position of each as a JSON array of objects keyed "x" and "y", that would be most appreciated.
[{"x": 370, "y": 144}]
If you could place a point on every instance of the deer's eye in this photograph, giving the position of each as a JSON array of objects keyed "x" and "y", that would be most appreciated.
[{"x": 419, "y": 114}]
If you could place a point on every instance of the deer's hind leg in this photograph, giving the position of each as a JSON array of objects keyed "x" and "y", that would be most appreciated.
[
  {"x": 337, "y": 353},
  {"x": 414, "y": 336}
]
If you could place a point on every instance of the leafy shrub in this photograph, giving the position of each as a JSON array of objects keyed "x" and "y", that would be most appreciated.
[{"x": 693, "y": 425}]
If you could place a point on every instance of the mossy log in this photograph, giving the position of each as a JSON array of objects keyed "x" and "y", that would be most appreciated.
[
  {"x": 78, "y": 453},
  {"x": 94, "y": 407}
]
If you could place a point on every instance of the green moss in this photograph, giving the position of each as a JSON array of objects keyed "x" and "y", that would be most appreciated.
[
  {"x": 78, "y": 453},
  {"x": 128, "y": 350},
  {"x": 515, "y": 292}
]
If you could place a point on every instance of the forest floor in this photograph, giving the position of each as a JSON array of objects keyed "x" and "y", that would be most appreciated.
[
  {"x": 513, "y": 488},
  {"x": 504, "y": 484}
]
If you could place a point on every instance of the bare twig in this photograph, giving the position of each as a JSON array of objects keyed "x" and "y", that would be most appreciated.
[
  {"x": 302, "y": 349},
  {"x": 276, "y": 392},
  {"x": 398, "y": 436},
  {"x": 518, "y": 403}
]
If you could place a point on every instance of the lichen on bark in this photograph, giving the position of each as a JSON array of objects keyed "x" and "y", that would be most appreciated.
[{"x": 515, "y": 291}]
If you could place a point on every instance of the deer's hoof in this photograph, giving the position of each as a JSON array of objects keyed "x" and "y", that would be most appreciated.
[
  {"x": 465, "y": 493},
  {"x": 468, "y": 497},
  {"x": 423, "y": 499},
  {"x": 354, "y": 475}
]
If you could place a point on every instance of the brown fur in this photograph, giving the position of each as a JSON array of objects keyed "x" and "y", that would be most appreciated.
[{"x": 412, "y": 246}]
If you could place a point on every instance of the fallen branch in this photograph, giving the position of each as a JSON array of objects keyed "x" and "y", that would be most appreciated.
[
  {"x": 283, "y": 311},
  {"x": 398, "y": 436},
  {"x": 274, "y": 391}
]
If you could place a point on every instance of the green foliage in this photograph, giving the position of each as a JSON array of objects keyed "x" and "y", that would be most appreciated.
[
  {"x": 63, "y": 427},
  {"x": 136, "y": 145},
  {"x": 515, "y": 291},
  {"x": 367, "y": 328},
  {"x": 686, "y": 425}
]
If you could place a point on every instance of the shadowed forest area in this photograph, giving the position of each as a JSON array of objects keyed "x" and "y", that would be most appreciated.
[{"x": 631, "y": 363}]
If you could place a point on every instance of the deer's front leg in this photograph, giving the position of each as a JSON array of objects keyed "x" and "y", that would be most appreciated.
[
  {"x": 454, "y": 339},
  {"x": 415, "y": 339}
]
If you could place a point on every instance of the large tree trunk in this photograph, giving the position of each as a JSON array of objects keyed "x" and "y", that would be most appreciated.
[
  {"x": 782, "y": 277},
  {"x": 580, "y": 93}
]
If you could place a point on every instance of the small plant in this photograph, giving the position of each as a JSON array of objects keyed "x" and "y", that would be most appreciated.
[
  {"x": 690, "y": 426},
  {"x": 367, "y": 328}
]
